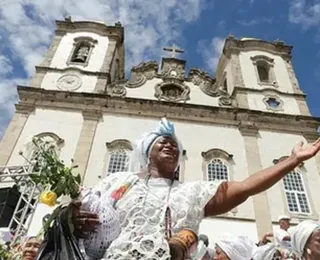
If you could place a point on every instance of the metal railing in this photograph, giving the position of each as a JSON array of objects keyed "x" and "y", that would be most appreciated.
[{"x": 28, "y": 200}]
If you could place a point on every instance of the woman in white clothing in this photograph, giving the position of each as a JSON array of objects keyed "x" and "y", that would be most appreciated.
[
  {"x": 305, "y": 240},
  {"x": 230, "y": 247},
  {"x": 157, "y": 207}
]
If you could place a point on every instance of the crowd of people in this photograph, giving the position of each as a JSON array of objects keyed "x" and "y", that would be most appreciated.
[{"x": 147, "y": 214}]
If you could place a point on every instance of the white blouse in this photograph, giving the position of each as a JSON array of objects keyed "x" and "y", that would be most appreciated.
[{"x": 141, "y": 214}]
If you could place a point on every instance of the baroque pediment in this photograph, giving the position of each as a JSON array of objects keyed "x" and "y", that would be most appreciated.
[
  {"x": 172, "y": 91},
  {"x": 172, "y": 87},
  {"x": 141, "y": 73}
]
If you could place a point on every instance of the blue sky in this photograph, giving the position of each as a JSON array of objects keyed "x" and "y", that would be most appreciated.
[{"x": 198, "y": 26}]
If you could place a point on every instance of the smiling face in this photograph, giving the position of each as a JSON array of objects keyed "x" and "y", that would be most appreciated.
[
  {"x": 30, "y": 249},
  {"x": 313, "y": 245},
  {"x": 164, "y": 155},
  {"x": 220, "y": 255},
  {"x": 284, "y": 224}
]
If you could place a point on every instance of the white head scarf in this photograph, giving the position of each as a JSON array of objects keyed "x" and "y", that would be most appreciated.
[
  {"x": 300, "y": 235},
  {"x": 236, "y": 247},
  {"x": 264, "y": 252},
  {"x": 284, "y": 217},
  {"x": 143, "y": 146}
]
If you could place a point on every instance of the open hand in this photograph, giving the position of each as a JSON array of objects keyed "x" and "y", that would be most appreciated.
[
  {"x": 83, "y": 221},
  {"x": 304, "y": 153}
]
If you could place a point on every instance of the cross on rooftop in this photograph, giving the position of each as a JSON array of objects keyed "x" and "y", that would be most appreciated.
[{"x": 174, "y": 50}]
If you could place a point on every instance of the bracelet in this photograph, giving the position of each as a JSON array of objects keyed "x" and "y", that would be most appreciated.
[{"x": 183, "y": 240}]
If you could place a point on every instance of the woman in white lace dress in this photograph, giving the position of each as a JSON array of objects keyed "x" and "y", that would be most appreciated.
[{"x": 156, "y": 207}]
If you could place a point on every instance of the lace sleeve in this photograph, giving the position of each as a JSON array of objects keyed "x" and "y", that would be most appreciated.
[
  {"x": 97, "y": 200},
  {"x": 205, "y": 191}
]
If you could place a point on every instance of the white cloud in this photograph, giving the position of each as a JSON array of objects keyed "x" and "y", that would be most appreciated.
[
  {"x": 211, "y": 52},
  {"x": 254, "y": 22},
  {"x": 27, "y": 27},
  {"x": 5, "y": 66},
  {"x": 304, "y": 14}
]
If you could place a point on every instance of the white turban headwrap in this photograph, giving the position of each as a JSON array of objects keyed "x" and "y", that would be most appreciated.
[
  {"x": 143, "y": 146},
  {"x": 300, "y": 235},
  {"x": 236, "y": 247},
  {"x": 265, "y": 252}
]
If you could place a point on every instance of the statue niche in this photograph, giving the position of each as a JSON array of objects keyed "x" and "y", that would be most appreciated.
[{"x": 172, "y": 92}]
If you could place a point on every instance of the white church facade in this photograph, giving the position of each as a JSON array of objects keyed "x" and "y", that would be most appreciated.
[{"x": 246, "y": 118}]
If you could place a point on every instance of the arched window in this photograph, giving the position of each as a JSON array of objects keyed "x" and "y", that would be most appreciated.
[
  {"x": 217, "y": 170},
  {"x": 263, "y": 72},
  {"x": 47, "y": 139},
  {"x": 296, "y": 195},
  {"x": 217, "y": 164},
  {"x": 119, "y": 153},
  {"x": 81, "y": 51}
]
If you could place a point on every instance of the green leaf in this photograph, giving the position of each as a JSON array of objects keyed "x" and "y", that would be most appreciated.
[{"x": 78, "y": 179}]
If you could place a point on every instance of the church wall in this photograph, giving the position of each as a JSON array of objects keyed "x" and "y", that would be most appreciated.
[
  {"x": 215, "y": 227},
  {"x": 290, "y": 105},
  {"x": 146, "y": 91},
  {"x": 50, "y": 81},
  {"x": 65, "y": 124},
  {"x": 207, "y": 137},
  {"x": 250, "y": 77},
  {"x": 66, "y": 45},
  {"x": 270, "y": 150},
  {"x": 197, "y": 96}
]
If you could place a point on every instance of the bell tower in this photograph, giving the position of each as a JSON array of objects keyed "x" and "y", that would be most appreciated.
[
  {"x": 260, "y": 76},
  {"x": 84, "y": 56}
]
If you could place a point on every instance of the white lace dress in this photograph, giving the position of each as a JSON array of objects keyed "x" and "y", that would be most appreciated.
[{"x": 142, "y": 214}]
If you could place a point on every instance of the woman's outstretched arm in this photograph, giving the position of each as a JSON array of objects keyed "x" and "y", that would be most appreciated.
[{"x": 231, "y": 194}]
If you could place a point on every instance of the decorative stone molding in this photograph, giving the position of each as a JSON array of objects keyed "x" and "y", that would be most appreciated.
[
  {"x": 216, "y": 153},
  {"x": 270, "y": 91},
  {"x": 69, "y": 82},
  {"x": 117, "y": 89},
  {"x": 23, "y": 108},
  {"x": 141, "y": 73},
  {"x": 206, "y": 83},
  {"x": 172, "y": 68},
  {"x": 248, "y": 129},
  {"x": 225, "y": 101},
  {"x": 119, "y": 144},
  {"x": 256, "y": 58},
  {"x": 233, "y": 45},
  {"x": 268, "y": 63},
  {"x": 172, "y": 91},
  {"x": 311, "y": 136},
  {"x": 75, "y": 69},
  {"x": 116, "y": 32},
  {"x": 56, "y": 139},
  {"x": 91, "y": 114},
  {"x": 268, "y": 98},
  {"x": 52, "y": 49},
  {"x": 236, "y": 71},
  {"x": 77, "y": 101},
  {"x": 292, "y": 75}
]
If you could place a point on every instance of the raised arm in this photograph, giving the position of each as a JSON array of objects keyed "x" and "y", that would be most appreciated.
[{"x": 232, "y": 194}]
